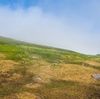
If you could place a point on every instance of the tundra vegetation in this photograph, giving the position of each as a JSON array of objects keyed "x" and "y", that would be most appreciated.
[{"x": 29, "y": 71}]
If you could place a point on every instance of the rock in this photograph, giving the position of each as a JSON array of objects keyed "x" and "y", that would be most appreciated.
[
  {"x": 57, "y": 54},
  {"x": 95, "y": 65},
  {"x": 23, "y": 62},
  {"x": 34, "y": 57},
  {"x": 97, "y": 76},
  {"x": 37, "y": 79},
  {"x": 85, "y": 64},
  {"x": 54, "y": 64},
  {"x": 60, "y": 61}
]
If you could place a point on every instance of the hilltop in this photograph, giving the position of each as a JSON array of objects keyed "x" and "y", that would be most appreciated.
[{"x": 30, "y": 71}]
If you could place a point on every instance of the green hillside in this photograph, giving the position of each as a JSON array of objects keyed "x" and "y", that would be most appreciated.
[{"x": 30, "y": 71}]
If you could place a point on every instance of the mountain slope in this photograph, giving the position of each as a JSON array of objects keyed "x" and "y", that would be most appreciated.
[{"x": 38, "y": 72}]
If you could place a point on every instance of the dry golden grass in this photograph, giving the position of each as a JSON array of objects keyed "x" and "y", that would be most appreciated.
[
  {"x": 92, "y": 63},
  {"x": 28, "y": 72},
  {"x": 77, "y": 73},
  {"x": 2, "y": 56},
  {"x": 24, "y": 95},
  {"x": 30, "y": 85},
  {"x": 48, "y": 72},
  {"x": 6, "y": 65},
  {"x": 15, "y": 77}
]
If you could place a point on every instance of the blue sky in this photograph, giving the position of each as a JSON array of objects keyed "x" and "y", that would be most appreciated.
[{"x": 68, "y": 24}]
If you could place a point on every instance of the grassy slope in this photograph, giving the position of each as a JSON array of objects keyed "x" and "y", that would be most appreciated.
[{"x": 63, "y": 74}]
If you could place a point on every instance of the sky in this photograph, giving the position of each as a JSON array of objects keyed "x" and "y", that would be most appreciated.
[{"x": 67, "y": 24}]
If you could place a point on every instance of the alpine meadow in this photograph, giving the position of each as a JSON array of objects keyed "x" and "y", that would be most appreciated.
[
  {"x": 49, "y": 49},
  {"x": 30, "y": 71}
]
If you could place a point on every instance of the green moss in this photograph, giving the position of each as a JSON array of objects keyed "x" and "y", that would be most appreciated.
[{"x": 60, "y": 84}]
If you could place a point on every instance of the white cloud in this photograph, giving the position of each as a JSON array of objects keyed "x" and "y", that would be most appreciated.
[{"x": 33, "y": 25}]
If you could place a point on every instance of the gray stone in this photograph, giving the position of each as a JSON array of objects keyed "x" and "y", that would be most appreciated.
[
  {"x": 57, "y": 54},
  {"x": 85, "y": 64},
  {"x": 97, "y": 76},
  {"x": 34, "y": 57},
  {"x": 37, "y": 79},
  {"x": 54, "y": 64},
  {"x": 23, "y": 62}
]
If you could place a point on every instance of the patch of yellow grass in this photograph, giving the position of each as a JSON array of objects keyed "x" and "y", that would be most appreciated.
[
  {"x": 45, "y": 72},
  {"x": 77, "y": 73},
  {"x": 2, "y": 56},
  {"x": 15, "y": 77},
  {"x": 32, "y": 85},
  {"x": 6, "y": 65},
  {"x": 93, "y": 63},
  {"x": 26, "y": 95},
  {"x": 23, "y": 95}
]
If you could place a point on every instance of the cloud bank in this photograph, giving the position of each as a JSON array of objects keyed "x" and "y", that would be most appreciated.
[{"x": 33, "y": 25}]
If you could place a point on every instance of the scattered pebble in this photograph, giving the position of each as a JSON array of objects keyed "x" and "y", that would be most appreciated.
[{"x": 97, "y": 76}]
